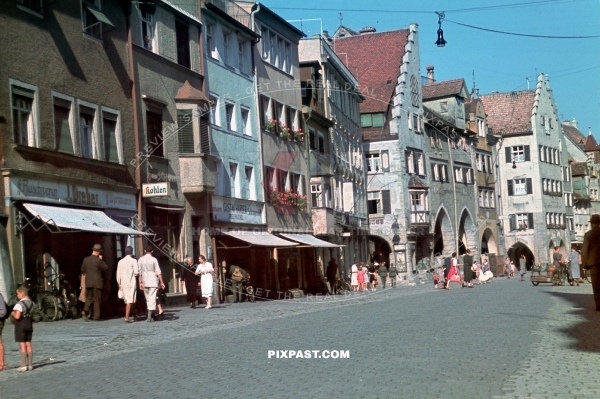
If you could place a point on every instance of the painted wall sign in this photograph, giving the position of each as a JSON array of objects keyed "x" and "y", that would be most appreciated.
[
  {"x": 235, "y": 210},
  {"x": 155, "y": 190},
  {"x": 65, "y": 193}
]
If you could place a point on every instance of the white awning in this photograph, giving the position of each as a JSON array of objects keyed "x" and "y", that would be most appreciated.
[
  {"x": 79, "y": 219},
  {"x": 260, "y": 238},
  {"x": 309, "y": 239}
]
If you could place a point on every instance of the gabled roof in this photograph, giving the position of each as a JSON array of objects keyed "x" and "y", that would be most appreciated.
[
  {"x": 375, "y": 60},
  {"x": 509, "y": 113},
  {"x": 343, "y": 28},
  {"x": 574, "y": 134},
  {"x": 415, "y": 182},
  {"x": 446, "y": 88}
]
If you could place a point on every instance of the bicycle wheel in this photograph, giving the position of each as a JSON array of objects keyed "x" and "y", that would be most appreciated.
[
  {"x": 62, "y": 307},
  {"x": 556, "y": 278},
  {"x": 73, "y": 306},
  {"x": 48, "y": 306}
]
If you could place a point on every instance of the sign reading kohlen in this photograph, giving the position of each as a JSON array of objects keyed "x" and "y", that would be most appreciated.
[
  {"x": 155, "y": 190},
  {"x": 237, "y": 210}
]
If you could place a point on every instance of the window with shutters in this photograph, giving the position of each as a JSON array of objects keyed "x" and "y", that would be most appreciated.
[
  {"x": 419, "y": 210},
  {"x": 522, "y": 221},
  {"x": 468, "y": 175},
  {"x": 182, "y": 38},
  {"x": 478, "y": 161},
  {"x": 204, "y": 135},
  {"x": 410, "y": 162},
  {"x": 185, "y": 130},
  {"x": 458, "y": 175},
  {"x": 373, "y": 162},
  {"x": 63, "y": 134},
  {"x": 518, "y": 153},
  {"x": 93, "y": 18},
  {"x": 24, "y": 114},
  {"x": 110, "y": 135},
  {"x": 374, "y": 202},
  {"x": 519, "y": 187}
]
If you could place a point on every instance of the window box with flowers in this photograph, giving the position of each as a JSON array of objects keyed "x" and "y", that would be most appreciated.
[
  {"x": 288, "y": 198},
  {"x": 298, "y": 135},
  {"x": 285, "y": 132},
  {"x": 272, "y": 126}
]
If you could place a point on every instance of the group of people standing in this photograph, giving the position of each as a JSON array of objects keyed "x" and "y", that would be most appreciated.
[
  {"x": 472, "y": 271},
  {"x": 198, "y": 287},
  {"x": 365, "y": 278}
]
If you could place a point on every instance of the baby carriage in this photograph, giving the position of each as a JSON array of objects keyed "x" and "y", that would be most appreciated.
[{"x": 485, "y": 277}]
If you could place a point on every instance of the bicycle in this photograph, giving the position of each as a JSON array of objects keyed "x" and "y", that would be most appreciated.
[
  {"x": 560, "y": 276},
  {"x": 340, "y": 286}
]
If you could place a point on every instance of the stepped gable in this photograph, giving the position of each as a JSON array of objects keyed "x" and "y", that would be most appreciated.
[
  {"x": 509, "y": 113},
  {"x": 375, "y": 60}
]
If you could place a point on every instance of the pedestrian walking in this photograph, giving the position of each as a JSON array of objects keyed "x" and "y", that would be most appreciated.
[
  {"x": 24, "y": 328},
  {"x": 438, "y": 277},
  {"x": 507, "y": 267},
  {"x": 237, "y": 276},
  {"x": 332, "y": 269},
  {"x": 127, "y": 271},
  {"x": 93, "y": 266},
  {"x": 467, "y": 270},
  {"x": 354, "y": 277},
  {"x": 205, "y": 270},
  {"x": 557, "y": 259},
  {"x": 453, "y": 273},
  {"x": 590, "y": 256},
  {"x": 150, "y": 279},
  {"x": 574, "y": 267},
  {"x": 191, "y": 282},
  {"x": 392, "y": 272},
  {"x": 383, "y": 273},
  {"x": 522, "y": 266},
  {"x": 512, "y": 269},
  {"x": 366, "y": 276},
  {"x": 373, "y": 276},
  {"x": 360, "y": 277}
]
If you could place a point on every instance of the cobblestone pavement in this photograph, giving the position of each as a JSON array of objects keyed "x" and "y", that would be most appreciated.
[{"x": 507, "y": 339}]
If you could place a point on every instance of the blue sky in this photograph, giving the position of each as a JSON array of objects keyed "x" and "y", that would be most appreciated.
[{"x": 501, "y": 62}]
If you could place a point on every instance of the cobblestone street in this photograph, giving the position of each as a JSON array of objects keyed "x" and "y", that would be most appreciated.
[{"x": 507, "y": 339}]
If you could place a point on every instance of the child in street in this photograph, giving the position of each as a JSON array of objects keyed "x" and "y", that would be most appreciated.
[
  {"x": 24, "y": 327},
  {"x": 440, "y": 278}
]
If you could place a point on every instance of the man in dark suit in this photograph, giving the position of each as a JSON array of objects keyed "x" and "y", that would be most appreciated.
[
  {"x": 93, "y": 266},
  {"x": 332, "y": 269},
  {"x": 590, "y": 256}
]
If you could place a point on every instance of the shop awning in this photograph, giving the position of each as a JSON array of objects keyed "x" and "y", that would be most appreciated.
[
  {"x": 78, "y": 219},
  {"x": 309, "y": 239},
  {"x": 260, "y": 238}
]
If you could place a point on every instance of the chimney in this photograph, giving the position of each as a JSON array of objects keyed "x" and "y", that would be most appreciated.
[
  {"x": 430, "y": 78},
  {"x": 567, "y": 122},
  {"x": 368, "y": 29},
  {"x": 574, "y": 123},
  {"x": 325, "y": 33}
]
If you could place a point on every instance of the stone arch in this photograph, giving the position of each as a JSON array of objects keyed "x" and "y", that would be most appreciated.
[
  {"x": 443, "y": 234},
  {"x": 379, "y": 244},
  {"x": 518, "y": 249},
  {"x": 467, "y": 232},
  {"x": 489, "y": 243}
]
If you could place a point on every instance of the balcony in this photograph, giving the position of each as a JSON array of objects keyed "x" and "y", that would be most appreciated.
[
  {"x": 197, "y": 173},
  {"x": 230, "y": 8},
  {"x": 419, "y": 218}
]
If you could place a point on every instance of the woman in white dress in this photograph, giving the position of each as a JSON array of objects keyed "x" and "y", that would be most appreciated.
[
  {"x": 354, "y": 277},
  {"x": 205, "y": 270}
]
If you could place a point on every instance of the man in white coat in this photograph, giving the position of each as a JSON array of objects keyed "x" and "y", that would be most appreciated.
[
  {"x": 150, "y": 275},
  {"x": 127, "y": 271}
]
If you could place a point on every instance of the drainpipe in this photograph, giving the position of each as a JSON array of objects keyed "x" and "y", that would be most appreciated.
[{"x": 136, "y": 133}]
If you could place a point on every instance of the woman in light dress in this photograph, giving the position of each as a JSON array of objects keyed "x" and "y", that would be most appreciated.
[
  {"x": 354, "y": 277},
  {"x": 205, "y": 270},
  {"x": 366, "y": 276}
]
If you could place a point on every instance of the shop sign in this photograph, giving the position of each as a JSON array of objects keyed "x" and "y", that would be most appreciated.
[
  {"x": 235, "y": 210},
  {"x": 376, "y": 221},
  {"x": 155, "y": 190},
  {"x": 74, "y": 194}
]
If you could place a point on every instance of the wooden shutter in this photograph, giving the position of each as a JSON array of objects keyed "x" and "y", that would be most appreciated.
[
  {"x": 508, "y": 154},
  {"x": 513, "y": 222},
  {"x": 510, "y": 187},
  {"x": 386, "y": 205},
  {"x": 527, "y": 155},
  {"x": 185, "y": 132},
  {"x": 529, "y": 186},
  {"x": 204, "y": 135},
  {"x": 530, "y": 220}
]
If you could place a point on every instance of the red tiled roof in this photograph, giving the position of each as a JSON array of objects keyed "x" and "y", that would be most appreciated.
[
  {"x": 446, "y": 88},
  {"x": 375, "y": 60},
  {"x": 574, "y": 134},
  {"x": 590, "y": 144},
  {"x": 579, "y": 168},
  {"x": 509, "y": 113},
  {"x": 415, "y": 182}
]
